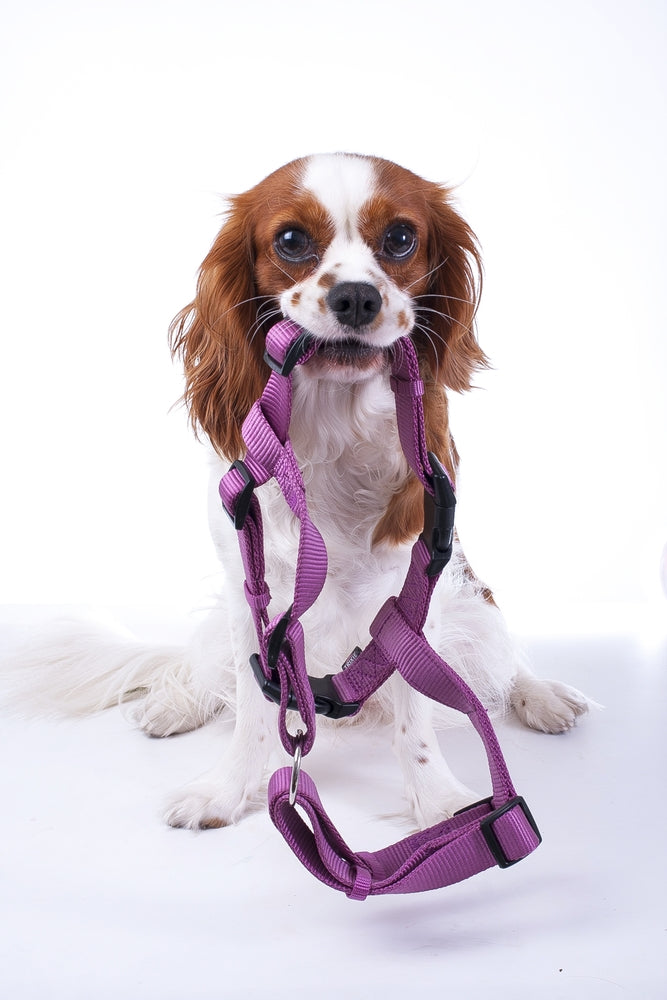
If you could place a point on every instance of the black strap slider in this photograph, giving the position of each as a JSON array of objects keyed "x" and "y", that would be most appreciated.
[
  {"x": 294, "y": 354},
  {"x": 439, "y": 511},
  {"x": 491, "y": 838},
  {"x": 245, "y": 496},
  {"x": 277, "y": 638}
]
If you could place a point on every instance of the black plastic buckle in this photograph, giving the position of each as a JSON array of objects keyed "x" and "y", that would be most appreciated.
[
  {"x": 494, "y": 845},
  {"x": 294, "y": 354},
  {"x": 439, "y": 511},
  {"x": 244, "y": 497},
  {"x": 327, "y": 701}
]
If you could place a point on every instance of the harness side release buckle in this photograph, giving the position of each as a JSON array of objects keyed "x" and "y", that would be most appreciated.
[{"x": 327, "y": 700}]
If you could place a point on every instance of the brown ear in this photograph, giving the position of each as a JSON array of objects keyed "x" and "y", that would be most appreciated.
[
  {"x": 404, "y": 517},
  {"x": 446, "y": 311},
  {"x": 219, "y": 339},
  {"x": 448, "y": 350}
]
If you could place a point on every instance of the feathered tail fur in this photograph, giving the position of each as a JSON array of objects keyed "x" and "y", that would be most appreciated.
[{"x": 77, "y": 668}]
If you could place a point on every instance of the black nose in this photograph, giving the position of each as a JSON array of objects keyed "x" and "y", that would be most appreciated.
[{"x": 354, "y": 303}]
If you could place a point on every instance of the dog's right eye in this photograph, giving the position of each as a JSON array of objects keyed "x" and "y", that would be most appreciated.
[
  {"x": 400, "y": 241},
  {"x": 294, "y": 244}
]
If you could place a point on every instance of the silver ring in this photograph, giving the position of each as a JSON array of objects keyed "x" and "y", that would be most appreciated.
[{"x": 296, "y": 768}]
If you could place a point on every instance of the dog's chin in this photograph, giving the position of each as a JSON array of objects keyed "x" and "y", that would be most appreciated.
[{"x": 347, "y": 360}]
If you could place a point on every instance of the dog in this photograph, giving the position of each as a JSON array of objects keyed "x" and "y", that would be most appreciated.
[{"x": 359, "y": 252}]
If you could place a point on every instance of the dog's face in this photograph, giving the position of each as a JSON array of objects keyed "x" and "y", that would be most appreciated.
[
  {"x": 346, "y": 256},
  {"x": 356, "y": 250}
]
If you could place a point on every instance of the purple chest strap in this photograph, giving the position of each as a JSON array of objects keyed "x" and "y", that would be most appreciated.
[{"x": 498, "y": 831}]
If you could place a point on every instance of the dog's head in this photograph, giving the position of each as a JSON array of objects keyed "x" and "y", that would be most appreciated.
[{"x": 355, "y": 249}]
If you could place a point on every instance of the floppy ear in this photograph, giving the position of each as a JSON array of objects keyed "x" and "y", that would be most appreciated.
[
  {"x": 218, "y": 338},
  {"x": 450, "y": 302},
  {"x": 404, "y": 517},
  {"x": 449, "y": 354}
]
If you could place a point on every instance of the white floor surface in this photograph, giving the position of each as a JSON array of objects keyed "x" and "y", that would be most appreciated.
[{"x": 99, "y": 899}]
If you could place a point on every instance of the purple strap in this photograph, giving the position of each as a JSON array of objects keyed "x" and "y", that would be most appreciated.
[
  {"x": 499, "y": 830},
  {"x": 442, "y": 855}
]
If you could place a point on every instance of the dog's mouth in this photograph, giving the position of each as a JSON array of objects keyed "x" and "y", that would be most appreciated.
[{"x": 351, "y": 353}]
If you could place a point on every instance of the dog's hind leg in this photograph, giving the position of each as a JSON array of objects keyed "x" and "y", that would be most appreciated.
[{"x": 196, "y": 689}]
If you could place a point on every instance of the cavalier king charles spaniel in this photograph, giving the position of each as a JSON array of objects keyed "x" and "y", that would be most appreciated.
[{"x": 359, "y": 252}]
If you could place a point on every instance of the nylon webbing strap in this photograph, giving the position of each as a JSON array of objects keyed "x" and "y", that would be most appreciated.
[{"x": 499, "y": 830}]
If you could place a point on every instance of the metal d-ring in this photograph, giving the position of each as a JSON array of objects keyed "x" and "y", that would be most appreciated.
[{"x": 296, "y": 768}]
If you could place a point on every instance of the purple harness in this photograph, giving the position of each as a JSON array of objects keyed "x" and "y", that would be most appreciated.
[{"x": 497, "y": 831}]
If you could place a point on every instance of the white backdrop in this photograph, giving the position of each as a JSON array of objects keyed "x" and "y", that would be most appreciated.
[{"x": 124, "y": 124}]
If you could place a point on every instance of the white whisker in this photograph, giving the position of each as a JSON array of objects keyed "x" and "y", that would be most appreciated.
[
  {"x": 263, "y": 317},
  {"x": 443, "y": 315},
  {"x": 428, "y": 274},
  {"x": 430, "y": 335},
  {"x": 262, "y": 299},
  {"x": 450, "y": 298},
  {"x": 281, "y": 269}
]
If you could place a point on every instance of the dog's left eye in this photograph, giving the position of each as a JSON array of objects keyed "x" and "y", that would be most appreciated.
[
  {"x": 400, "y": 241},
  {"x": 294, "y": 244}
]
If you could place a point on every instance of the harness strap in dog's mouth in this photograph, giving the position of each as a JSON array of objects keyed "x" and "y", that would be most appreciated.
[{"x": 499, "y": 830}]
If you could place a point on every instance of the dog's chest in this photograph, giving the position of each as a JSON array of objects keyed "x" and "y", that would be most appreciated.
[
  {"x": 359, "y": 577},
  {"x": 345, "y": 497},
  {"x": 348, "y": 452}
]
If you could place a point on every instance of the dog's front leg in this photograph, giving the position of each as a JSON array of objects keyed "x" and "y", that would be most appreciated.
[
  {"x": 235, "y": 785},
  {"x": 432, "y": 790}
]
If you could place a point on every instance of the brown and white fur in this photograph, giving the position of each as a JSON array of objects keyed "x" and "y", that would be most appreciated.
[{"x": 359, "y": 251}]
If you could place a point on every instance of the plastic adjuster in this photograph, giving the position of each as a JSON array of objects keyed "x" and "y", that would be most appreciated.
[
  {"x": 277, "y": 638},
  {"x": 492, "y": 842},
  {"x": 245, "y": 496},
  {"x": 439, "y": 511},
  {"x": 294, "y": 354}
]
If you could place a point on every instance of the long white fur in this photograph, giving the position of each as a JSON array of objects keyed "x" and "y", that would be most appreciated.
[{"x": 354, "y": 463}]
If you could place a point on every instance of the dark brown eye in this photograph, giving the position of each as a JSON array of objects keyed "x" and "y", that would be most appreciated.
[
  {"x": 400, "y": 241},
  {"x": 294, "y": 244}
]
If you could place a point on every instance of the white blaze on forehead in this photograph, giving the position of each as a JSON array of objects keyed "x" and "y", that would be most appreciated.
[{"x": 342, "y": 184}]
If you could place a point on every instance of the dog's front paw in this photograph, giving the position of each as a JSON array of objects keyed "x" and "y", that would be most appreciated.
[
  {"x": 548, "y": 706},
  {"x": 428, "y": 814},
  {"x": 434, "y": 794},
  {"x": 205, "y": 805}
]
